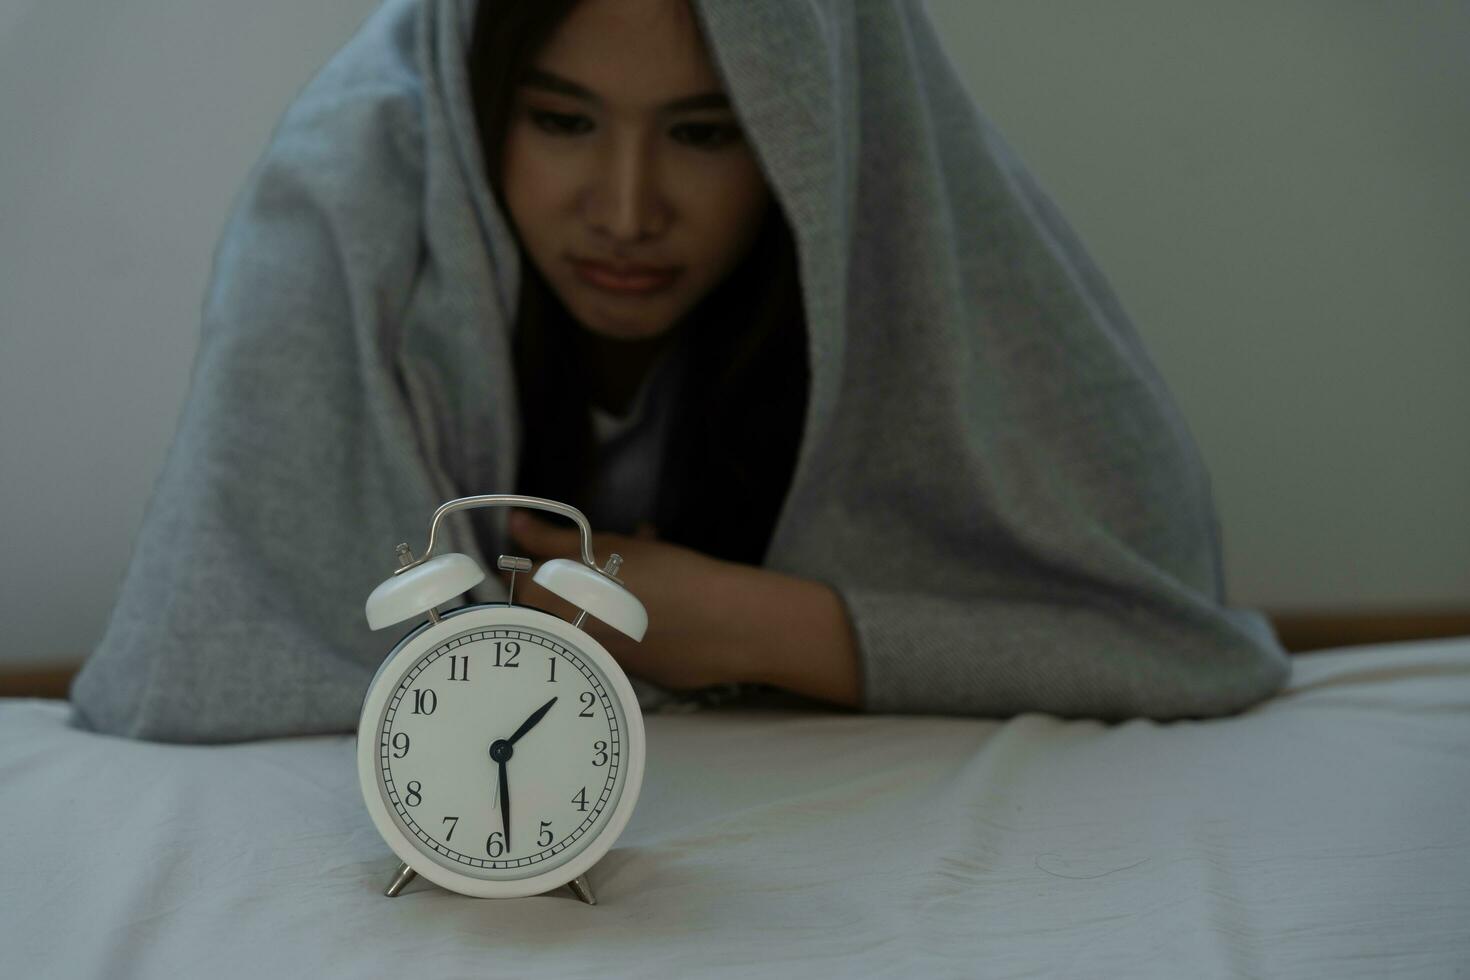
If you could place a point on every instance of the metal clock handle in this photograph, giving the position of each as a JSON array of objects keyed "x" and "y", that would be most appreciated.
[{"x": 505, "y": 500}]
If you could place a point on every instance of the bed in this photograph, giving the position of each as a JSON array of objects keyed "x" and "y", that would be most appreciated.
[{"x": 1322, "y": 834}]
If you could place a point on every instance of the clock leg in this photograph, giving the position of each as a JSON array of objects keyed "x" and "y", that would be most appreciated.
[
  {"x": 401, "y": 878},
  {"x": 582, "y": 888}
]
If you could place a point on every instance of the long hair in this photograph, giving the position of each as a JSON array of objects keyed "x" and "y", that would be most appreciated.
[{"x": 730, "y": 456}]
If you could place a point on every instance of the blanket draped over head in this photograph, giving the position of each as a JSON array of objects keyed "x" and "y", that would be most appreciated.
[{"x": 992, "y": 475}]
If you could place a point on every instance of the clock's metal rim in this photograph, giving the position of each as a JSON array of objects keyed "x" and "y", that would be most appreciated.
[{"x": 423, "y": 639}]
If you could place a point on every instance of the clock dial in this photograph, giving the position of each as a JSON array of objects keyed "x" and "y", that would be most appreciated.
[{"x": 502, "y": 752}]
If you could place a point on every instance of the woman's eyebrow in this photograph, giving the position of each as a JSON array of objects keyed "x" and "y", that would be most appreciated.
[{"x": 547, "y": 81}]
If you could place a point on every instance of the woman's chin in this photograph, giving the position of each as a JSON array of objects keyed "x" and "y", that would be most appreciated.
[{"x": 628, "y": 329}]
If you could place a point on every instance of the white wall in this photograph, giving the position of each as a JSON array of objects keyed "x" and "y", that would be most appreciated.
[
  {"x": 1278, "y": 192},
  {"x": 126, "y": 127}
]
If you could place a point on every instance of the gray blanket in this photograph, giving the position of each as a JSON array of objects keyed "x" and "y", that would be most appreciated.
[{"x": 992, "y": 475}]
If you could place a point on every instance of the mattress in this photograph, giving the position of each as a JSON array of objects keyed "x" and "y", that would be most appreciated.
[{"x": 1324, "y": 833}]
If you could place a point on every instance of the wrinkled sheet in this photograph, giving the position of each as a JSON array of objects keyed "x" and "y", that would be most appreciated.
[{"x": 1323, "y": 834}]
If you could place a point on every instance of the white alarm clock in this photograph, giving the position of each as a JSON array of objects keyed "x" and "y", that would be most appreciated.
[{"x": 500, "y": 748}]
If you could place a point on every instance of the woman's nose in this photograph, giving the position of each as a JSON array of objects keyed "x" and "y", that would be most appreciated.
[{"x": 626, "y": 202}]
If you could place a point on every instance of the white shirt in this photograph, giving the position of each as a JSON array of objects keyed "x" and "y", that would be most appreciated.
[{"x": 630, "y": 449}]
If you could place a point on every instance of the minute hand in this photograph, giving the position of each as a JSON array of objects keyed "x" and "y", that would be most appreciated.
[
  {"x": 505, "y": 806},
  {"x": 530, "y": 722}
]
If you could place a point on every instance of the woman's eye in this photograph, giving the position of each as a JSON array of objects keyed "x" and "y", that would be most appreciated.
[
  {"x": 704, "y": 136},
  {"x": 707, "y": 136},
  {"x": 558, "y": 123}
]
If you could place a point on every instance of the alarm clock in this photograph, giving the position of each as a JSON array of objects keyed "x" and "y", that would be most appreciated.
[{"x": 500, "y": 748}]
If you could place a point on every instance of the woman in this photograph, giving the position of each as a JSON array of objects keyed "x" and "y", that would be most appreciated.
[
  {"x": 873, "y": 430},
  {"x": 616, "y": 141}
]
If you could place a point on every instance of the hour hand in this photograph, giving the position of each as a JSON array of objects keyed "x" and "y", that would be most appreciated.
[{"x": 530, "y": 722}]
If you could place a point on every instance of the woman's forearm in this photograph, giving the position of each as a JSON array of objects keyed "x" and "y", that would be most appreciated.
[{"x": 795, "y": 634}]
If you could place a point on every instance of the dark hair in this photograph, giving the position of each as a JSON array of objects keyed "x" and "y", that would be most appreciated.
[{"x": 730, "y": 456}]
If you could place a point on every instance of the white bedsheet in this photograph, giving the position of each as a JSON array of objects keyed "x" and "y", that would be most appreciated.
[{"x": 1324, "y": 834}]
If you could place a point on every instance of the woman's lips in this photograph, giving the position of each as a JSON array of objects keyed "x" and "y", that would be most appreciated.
[{"x": 636, "y": 280}]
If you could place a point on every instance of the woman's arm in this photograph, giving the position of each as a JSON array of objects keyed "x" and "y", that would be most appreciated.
[
  {"x": 796, "y": 633},
  {"x": 710, "y": 621}
]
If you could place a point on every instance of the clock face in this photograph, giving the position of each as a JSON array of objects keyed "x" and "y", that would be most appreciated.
[{"x": 501, "y": 749}]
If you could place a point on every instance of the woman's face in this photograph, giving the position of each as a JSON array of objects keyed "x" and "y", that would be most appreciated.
[{"x": 621, "y": 149}]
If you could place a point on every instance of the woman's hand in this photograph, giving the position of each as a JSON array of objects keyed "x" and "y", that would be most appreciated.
[
  {"x": 709, "y": 621},
  {"x": 689, "y": 643}
]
